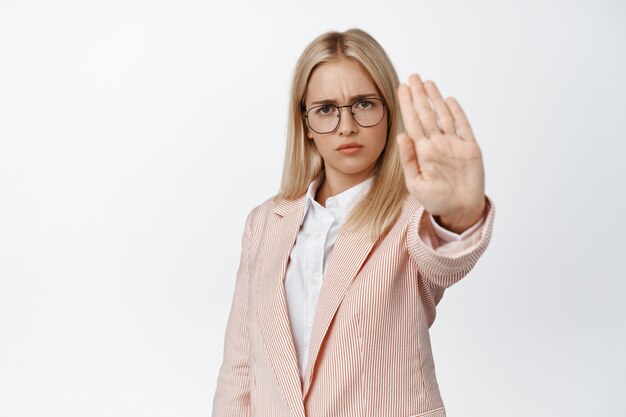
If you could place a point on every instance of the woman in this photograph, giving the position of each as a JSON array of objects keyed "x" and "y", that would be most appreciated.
[{"x": 341, "y": 271}]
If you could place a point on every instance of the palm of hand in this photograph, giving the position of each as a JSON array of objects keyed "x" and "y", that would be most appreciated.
[
  {"x": 450, "y": 174},
  {"x": 441, "y": 160}
]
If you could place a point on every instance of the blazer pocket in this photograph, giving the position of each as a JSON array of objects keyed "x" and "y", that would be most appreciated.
[{"x": 437, "y": 412}]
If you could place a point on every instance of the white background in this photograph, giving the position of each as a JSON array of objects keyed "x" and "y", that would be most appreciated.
[{"x": 135, "y": 136}]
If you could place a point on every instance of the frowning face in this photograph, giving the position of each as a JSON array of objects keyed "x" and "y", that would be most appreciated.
[{"x": 342, "y": 82}]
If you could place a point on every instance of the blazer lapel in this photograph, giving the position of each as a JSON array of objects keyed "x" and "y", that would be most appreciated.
[
  {"x": 272, "y": 312},
  {"x": 350, "y": 251}
]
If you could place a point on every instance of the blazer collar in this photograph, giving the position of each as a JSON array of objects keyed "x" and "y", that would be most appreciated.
[
  {"x": 285, "y": 207},
  {"x": 345, "y": 200}
]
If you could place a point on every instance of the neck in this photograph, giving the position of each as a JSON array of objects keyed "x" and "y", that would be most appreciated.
[{"x": 334, "y": 183}]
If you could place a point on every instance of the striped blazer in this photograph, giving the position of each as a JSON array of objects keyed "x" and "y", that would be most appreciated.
[{"x": 370, "y": 352}]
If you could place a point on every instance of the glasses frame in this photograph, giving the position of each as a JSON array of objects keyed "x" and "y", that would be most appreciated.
[{"x": 306, "y": 115}]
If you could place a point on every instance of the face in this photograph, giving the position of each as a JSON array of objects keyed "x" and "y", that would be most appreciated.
[{"x": 337, "y": 82}]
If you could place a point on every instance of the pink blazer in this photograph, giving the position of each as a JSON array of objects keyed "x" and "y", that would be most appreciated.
[{"x": 370, "y": 353}]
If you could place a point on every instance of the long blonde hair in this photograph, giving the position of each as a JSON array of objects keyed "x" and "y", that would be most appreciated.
[{"x": 303, "y": 162}]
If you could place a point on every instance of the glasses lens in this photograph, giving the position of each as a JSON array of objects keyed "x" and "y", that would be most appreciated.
[
  {"x": 368, "y": 111},
  {"x": 323, "y": 119}
]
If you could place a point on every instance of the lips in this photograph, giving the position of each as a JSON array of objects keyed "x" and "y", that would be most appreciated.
[{"x": 350, "y": 145}]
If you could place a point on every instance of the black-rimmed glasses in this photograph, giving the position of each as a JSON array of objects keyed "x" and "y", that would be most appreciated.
[{"x": 325, "y": 118}]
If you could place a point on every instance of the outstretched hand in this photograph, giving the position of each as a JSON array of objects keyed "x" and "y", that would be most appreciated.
[{"x": 443, "y": 166}]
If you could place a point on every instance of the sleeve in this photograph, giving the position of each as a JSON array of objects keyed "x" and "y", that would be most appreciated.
[
  {"x": 442, "y": 261},
  {"x": 445, "y": 236},
  {"x": 232, "y": 395}
]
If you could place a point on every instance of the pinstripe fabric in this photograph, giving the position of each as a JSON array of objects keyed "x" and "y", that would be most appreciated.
[{"x": 370, "y": 352}]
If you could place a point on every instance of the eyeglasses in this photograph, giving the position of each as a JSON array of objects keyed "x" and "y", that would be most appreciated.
[{"x": 325, "y": 118}]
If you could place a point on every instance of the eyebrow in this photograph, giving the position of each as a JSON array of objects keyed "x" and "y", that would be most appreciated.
[{"x": 331, "y": 101}]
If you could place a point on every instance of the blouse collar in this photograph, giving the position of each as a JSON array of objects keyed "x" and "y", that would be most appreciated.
[{"x": 341, "y": 203}]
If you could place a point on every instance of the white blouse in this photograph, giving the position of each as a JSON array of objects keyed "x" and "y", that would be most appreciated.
[{"x": 312, "y": 252}]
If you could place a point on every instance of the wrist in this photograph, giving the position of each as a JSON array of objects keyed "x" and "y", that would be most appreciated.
[{"x": 461, "y": 221}]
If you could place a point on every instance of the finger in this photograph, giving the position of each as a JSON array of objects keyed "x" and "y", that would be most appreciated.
[
  {"x": 408, "y": 156},
  {"x": 460, "y": 120},
  {"x": 411, "y": 120},
  {"x": 422, "y": 106},
  {"x": 444, "y": 117}
]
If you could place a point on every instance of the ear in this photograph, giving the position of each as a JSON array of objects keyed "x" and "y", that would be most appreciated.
[{"x": 307, "y": 131}]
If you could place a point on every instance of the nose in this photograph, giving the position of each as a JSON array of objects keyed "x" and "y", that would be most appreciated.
[{"x": 347, "y": 124}]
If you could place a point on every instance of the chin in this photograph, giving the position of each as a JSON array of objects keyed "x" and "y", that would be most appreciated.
[{"x": 353, "y": 168}]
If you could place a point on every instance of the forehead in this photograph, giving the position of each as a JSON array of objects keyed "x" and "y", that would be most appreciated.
[{"x": 339, "y": 80}]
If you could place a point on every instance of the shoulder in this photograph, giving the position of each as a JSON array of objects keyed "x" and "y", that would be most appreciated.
[
  {"x": 412, "y": 206},
  {"x": 267, "y": 206},
  {"x": 411, "y": 202},
  {"x": 261, "y": 211}
]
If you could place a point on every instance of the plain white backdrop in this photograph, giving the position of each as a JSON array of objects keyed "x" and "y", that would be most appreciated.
[{"x": 135, "y": 136}]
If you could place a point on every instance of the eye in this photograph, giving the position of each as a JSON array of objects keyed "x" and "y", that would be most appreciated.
[
  {"x": 365, "y": 104},
  {"x": 323, "y": 109}
]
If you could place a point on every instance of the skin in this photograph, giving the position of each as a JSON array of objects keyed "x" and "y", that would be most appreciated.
[
  {"x": 338, "y": 81},
  {"x": 442, "y": 163},
  {"x": 441, "y": 160}
]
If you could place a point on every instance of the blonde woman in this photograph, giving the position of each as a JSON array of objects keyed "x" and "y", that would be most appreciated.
[{"x": 380, "y": 209}]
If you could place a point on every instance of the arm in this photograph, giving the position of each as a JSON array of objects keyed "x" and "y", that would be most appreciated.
[
  {"x": 232, "y": 396},
  {"x": 444, "y": 240},
  {"x": 443, "y": 170},
  {"x": 445, "y": 263}
]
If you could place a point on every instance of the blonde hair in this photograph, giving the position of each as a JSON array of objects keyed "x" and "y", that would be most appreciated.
[{"x": 383, "y": 202}]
